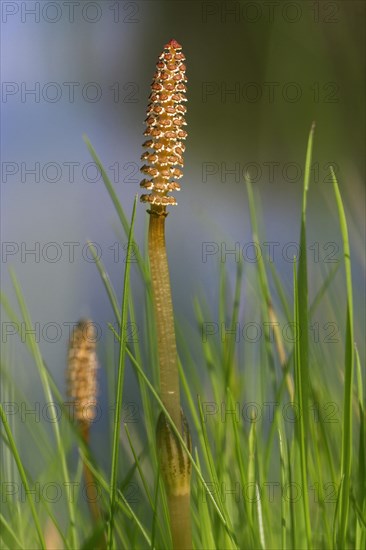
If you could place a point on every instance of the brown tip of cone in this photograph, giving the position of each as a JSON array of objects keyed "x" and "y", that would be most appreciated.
[{"x": 173, "y": 44}]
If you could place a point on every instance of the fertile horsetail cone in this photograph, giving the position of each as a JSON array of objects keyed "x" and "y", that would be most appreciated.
[
  {"x": 174, "y": 462},
  {"x": 165, "y": 121},
  {"x": 82, "y": 371}
]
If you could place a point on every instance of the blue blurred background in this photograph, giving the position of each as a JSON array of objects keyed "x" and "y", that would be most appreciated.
[{"x": 258, "y": 74}]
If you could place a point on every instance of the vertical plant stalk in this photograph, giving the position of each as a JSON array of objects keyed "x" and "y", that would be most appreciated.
[
  {"x": 349, "y": 359},
  {"x": 167, "y": 351},
  {"x": 176, "y": 472},
  {"x": 82, "y": 390},
  {"x": 165, "y": 148}
]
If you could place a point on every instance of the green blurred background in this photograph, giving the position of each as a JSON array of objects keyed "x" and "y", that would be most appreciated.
[{"x": 259, "y": 74}]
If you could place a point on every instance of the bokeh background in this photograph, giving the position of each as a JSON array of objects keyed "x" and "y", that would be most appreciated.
[{"x": 259, "y": 74}]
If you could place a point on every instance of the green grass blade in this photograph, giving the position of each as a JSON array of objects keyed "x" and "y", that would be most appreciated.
[
  {"x": 155, "y": 518},
  {"x": 301, "y": 395},
  {"x": 361, "y": 505},
  {"x": 303, "y": 289},
  {"x": 292, "y": 515},
  {"x": 284, "y": 506},
  {"x": 260, "y": 517},
  {"x": 120, "y": 380},
  {"x": 230, "y": 351},
  {"x": 251, "y": 465},
  {"x": 302, "y": 343},
  {"x": 346, "y": 463}
]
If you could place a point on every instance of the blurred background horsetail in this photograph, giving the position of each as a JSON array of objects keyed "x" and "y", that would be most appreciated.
[{"x": 82, "y": 389}]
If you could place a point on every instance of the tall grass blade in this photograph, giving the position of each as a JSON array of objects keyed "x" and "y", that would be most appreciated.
[
  {"x": 301, "y": 395},
  {"x": 346, "y": 462},
  {"x": 120, "y": 380},
  {"x": 361, "y": 496},
  {"x": 303, "y": 289}
]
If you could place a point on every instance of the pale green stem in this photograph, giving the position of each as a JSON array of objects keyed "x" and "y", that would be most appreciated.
[
  {"x": 167, "y": 349},
  {"x": 175, "y": 464},
  {"x": 180, "y": 520}
]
